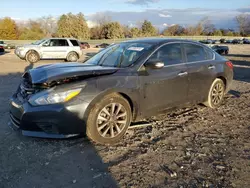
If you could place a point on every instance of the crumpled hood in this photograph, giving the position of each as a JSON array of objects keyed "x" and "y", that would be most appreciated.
[{"x": 54, "y": 72}]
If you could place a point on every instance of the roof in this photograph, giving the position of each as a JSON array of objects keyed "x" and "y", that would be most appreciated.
[
  {"x": 61, "y": 38},
  {"x": 158, "y": 40}
]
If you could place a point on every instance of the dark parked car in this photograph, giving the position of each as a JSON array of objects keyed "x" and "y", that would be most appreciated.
[
  {"x": 220, "y": 49},
  {"x": 237, "y": 41},
  {"x": 121, "y": 84},
  {"x": 222, "y": 41},
  {"x": 103, "y": 45},
  {"x": 1, "y": 49},
  {"x": 229, "y": 41},
  {"x": 208, "y": 41},
  {"x": 84, "y": 45},
  {"x": 246, "y": 41}
]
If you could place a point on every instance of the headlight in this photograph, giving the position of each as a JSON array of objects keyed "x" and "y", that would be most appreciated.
[
  {"x": 53, "y": 98},
  {"x": 20, "y": 48}
]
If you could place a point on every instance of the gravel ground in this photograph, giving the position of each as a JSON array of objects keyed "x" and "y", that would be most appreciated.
[{"x": 190, "y": 147}]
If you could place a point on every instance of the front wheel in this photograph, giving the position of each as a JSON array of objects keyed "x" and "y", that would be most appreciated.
[
  {"x": 216, "y": 94},
  {"x": 109, "y": 119},
  {"x": 32, "y": 57}
]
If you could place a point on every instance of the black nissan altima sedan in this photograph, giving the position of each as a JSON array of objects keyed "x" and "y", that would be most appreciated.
[{"x": 123, "y": 83}]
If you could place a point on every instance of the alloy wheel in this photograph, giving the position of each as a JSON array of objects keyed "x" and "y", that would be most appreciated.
[
  {"x": 217, "y": 93},
  {"x": 111, "y": 120},
  {"x": 33, "y": 57}
]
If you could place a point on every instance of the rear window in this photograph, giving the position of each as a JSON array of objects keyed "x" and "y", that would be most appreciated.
[
  {"x": 195, "y": 53},
  {"x": 74, "y": 42}
]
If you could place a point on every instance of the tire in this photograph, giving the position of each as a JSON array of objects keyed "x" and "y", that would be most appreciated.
[
  {"x": 97, "y": 113},
  {"x": 72, "y": 57},
  {"x": 226, "y": 52},
  {"x": 215, "y": 99},
  {"x": 32, "y": 57}
]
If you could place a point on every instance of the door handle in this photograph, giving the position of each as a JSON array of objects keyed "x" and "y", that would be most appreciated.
[
  {"x": 182, "y": 74},
  {"x": 211, "y": 67}
]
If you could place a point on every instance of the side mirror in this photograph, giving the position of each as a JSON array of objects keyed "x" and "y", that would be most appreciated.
[{"x": 154, "y": 64}]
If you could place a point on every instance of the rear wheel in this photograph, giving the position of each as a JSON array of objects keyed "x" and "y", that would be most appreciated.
[
  {"x": 72, "y": 57},
  {"x": 109, "y": 119},
  {"x": 32, "y": 57},
  {"x": 216, "y": 94},
  {"x": 226, "y": 52}
]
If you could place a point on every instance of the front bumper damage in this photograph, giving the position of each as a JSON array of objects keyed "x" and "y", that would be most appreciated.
[{"x": 50, "y": 121}]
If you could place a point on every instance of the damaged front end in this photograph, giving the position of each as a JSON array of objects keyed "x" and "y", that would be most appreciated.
[{"x": 48, "y": 101}]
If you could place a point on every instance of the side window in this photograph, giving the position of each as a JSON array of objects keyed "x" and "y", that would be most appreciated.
[
  {"x": 170, "y": 54},
  {"x": 53, "y": 42},
  {"x": 194, "y": 52},
  {"x": 209, "y": 54},
  {"x": 63, "y": 42},
  {"x": 74, "y": 42}
]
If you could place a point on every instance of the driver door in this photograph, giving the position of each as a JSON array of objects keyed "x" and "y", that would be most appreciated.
[
  {"x": 54, "y": 49},
  {"x": 166, "y": 87}
]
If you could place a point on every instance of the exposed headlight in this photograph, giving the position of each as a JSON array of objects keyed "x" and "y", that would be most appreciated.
[{"x": 53, "y": 98}]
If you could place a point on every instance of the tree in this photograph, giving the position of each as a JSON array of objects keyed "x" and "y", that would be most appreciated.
[
  {"x": 101, "y": 18},
  {"x": 126, "y": 31},
  {"x": 112, "y": 30},
  {"x": 135, "y": 32},
  {"x": 243, "y": 21},
  {"x": 174, "y": 30},
  {"x": 8, "y": 29},
  {"x": 148, "y": 29},
  {"x": 48, "y": 25},
  {"x": 230, "y": 33},
  {"x": 71, "y": 25},
  {"x": 33, "y": 31},
  {"x": 207, "y": 27},
  {"x": 217, "y": 33},
  {"x": 95, "y": 32}
]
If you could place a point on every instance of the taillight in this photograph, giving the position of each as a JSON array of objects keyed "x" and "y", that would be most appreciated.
[{"x": 230, "y": 64}]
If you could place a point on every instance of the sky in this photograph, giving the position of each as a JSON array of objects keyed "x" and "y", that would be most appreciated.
[{"x": 160, "y": 12}]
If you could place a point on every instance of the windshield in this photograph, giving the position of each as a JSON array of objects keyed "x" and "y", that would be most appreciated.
[
  {"x": 119, "y": 55},
  {"x": 38, "y": 42}
]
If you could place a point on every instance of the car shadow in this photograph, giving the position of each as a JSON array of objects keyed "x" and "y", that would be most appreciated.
[
  {"x": 28, "y": 67},
  {"x": 5, "y": 52},
  {"x": 37, "y": 162},
  {"x": 237, "y": 55}
]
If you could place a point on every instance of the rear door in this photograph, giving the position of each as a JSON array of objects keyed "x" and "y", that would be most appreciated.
[
  {"x": 201, "y": 70},
  {"x": 166, "y": 87},
  {"x": 55, "y": 49}
]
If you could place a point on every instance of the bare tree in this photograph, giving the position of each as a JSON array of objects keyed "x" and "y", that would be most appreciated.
[
  {"x": 207, "y": 25},
  {"x": 101, "y": 18},
  {"x": 243, "y": 21},
  {"x": 48, "y": 24}
]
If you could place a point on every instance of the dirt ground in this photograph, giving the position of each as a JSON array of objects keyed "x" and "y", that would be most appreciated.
[{"x": 191, "y": 147}]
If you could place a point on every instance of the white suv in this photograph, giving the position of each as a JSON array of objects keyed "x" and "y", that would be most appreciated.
[{"x": 54, "y": 48}]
